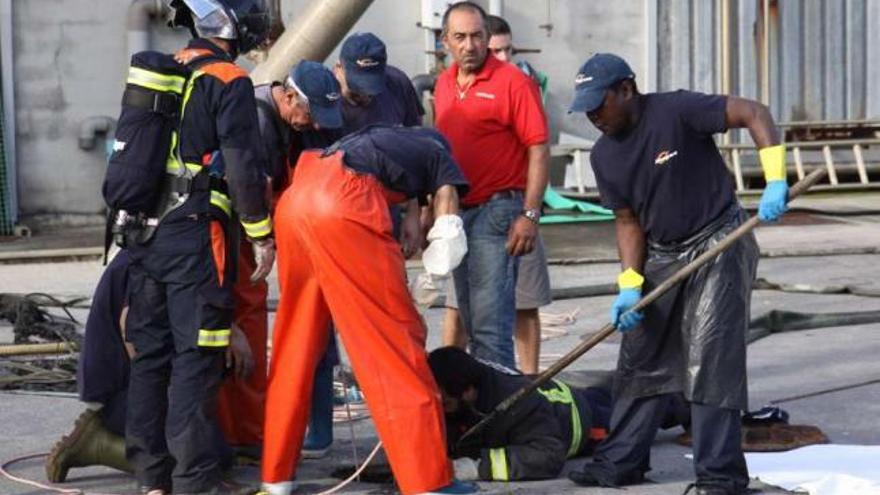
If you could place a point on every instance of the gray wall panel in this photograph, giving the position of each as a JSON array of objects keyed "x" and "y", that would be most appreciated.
[
  {"x": 791, "y": 73},
  {"x": 703, "y": 28},
  {"x": 814, "y": 82},
  {"x": 856, "y": 61},
  {"x": 835, "y": 60},
  {"x": 824, "y": 54},
  {"x": 872, "y": 84}
]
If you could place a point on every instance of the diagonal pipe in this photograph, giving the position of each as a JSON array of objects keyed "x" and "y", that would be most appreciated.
[{"x": 311, "y": 36}]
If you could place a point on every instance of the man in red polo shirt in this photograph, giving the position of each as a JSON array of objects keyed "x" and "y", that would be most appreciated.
[{"x": 491, "y": 113}]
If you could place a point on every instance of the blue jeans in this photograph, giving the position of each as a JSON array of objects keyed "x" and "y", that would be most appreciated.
[{"x": 485, "y": 282}]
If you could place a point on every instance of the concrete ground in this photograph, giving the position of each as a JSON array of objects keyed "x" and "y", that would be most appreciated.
[{"x": 781, "y": 366}]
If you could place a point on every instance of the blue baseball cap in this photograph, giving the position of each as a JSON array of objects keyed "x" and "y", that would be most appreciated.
[
  {"x": 317, "y": 84},
  {"x": 597, "y": 74},
  {"x": 363, "y": 58}
]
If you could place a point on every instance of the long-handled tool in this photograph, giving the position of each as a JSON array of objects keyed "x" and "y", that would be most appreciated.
[{"x": 658, "y": 291}]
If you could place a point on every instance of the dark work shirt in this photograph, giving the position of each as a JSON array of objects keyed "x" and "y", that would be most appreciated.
[
  {"x": 668, "y": 169},
  {"x": 411, "y": 160},
  {"x": 281, "y": 141},
  {"x": 397, "y": 105},
  {"x": 220, "y": 115}
]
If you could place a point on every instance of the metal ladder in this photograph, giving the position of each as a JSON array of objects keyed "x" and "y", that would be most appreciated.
[{"x": 821, "y": 153}]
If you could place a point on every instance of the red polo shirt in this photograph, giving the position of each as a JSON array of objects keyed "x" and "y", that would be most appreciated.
[{"x": 490, "y": 126}]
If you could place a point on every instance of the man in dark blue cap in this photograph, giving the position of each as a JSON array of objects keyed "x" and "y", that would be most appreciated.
[
  {"x": 659, "y": 169},
  {"x": 373, "y": 91},
  {"x": 303, "y": 112}
]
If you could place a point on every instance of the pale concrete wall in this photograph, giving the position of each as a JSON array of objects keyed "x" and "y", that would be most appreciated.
[
  {"x": 70, "y": 62},
  {"x": 70, "y": 59}
]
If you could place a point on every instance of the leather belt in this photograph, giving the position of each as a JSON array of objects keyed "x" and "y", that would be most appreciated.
[{"x": 505, "y": 194}]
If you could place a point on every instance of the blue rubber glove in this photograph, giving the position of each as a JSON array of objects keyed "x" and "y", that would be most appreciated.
[
  {"x": 772, "y": 204},
  {"x": 626, "y": 299}
]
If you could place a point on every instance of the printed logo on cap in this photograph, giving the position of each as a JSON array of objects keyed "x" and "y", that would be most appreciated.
[
  {"x": 365, "y": 63},
  {"x": 582, "y": 78}
]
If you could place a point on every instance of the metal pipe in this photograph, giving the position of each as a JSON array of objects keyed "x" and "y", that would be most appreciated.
[
  {"x": 7, "y": 62},
  {"x": 312, "y": 36},
  {"x": 34, "y": 349},
  {"x": 496, "y": 7},
  {"x": 91, "y": 127},
  {"x": 137, "y": 23}
]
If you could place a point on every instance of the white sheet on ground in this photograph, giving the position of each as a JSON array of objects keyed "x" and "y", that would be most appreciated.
[{"x": 821, "y": 469}]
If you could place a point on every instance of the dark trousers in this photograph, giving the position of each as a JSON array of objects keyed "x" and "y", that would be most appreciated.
[
  {"x": 113, "y": 412},
  {"x": 624, "y": 456},
  {"x": 171, "y": 432}
]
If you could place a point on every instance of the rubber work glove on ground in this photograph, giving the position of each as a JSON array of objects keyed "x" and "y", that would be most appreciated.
[
  {"x": 448, "y": 245},
  {"x": 630, "y": 284},
  {"x": 773, "y": 200},
  {"x": 264, "y": 258},
  {"x": 466, "y": 469}
]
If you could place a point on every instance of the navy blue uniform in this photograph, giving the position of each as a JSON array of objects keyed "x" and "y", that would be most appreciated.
[
  {"x": 283, "y": 145},
  {"x": 102, "y": 374},
  {"x": 398, "y": 104},
  {"x": 668, "y": 170},
  {"x": 181, "y": 304},
  {"x": 414, "y": 168}
]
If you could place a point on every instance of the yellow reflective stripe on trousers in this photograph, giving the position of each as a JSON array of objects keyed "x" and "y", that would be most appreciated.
[
  {"x": 498, "y": 459},
  {"x": 221, "y": 201},
  {"x": 563, "y": 395},
  {"x": 155, "y": 81},
  {"x": 257, "y": 229},
  {"x": 214, "y": 338}
]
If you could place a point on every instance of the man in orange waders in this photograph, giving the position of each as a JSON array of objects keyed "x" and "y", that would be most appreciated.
[
  {"x": 289, "y": 122},
  {"x": 338, "y": 259}
]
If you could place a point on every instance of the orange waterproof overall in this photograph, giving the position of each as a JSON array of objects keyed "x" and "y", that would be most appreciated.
[
  {"x": 337, "y": 257},
  {"x": 240, "y": 401}
]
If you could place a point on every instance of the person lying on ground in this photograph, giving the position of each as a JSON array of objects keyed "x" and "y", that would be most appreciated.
[{"x": 534, "y": 439}]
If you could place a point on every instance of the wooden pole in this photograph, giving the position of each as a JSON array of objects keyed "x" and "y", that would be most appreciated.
[{"x": 658, "y": 291}]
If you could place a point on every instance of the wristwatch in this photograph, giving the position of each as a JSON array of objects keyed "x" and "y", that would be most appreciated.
[{"x": 532, "y": 214}]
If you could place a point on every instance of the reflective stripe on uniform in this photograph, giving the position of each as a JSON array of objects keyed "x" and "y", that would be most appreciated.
[
  {"x": 155, "y": 80},
  {"x": 188, "y": 93},
  {"x": 172, "y": 166},
  {"x": 221, "y": 201},
  {"x": 257, "y": 229},
  {"x": 563, "y": 395},
  {"x": 214, "y": 338},
  {"x": 498, "y": 459}
]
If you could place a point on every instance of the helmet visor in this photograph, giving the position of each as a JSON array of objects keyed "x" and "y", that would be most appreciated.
[{"x": 203, "y": 8}]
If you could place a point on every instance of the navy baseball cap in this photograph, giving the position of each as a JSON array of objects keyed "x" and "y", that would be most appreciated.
[
  {"x": 317, "y": 84},
  {"x": 363, "y": 58},
  {"x": 597, "y": 74}
]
